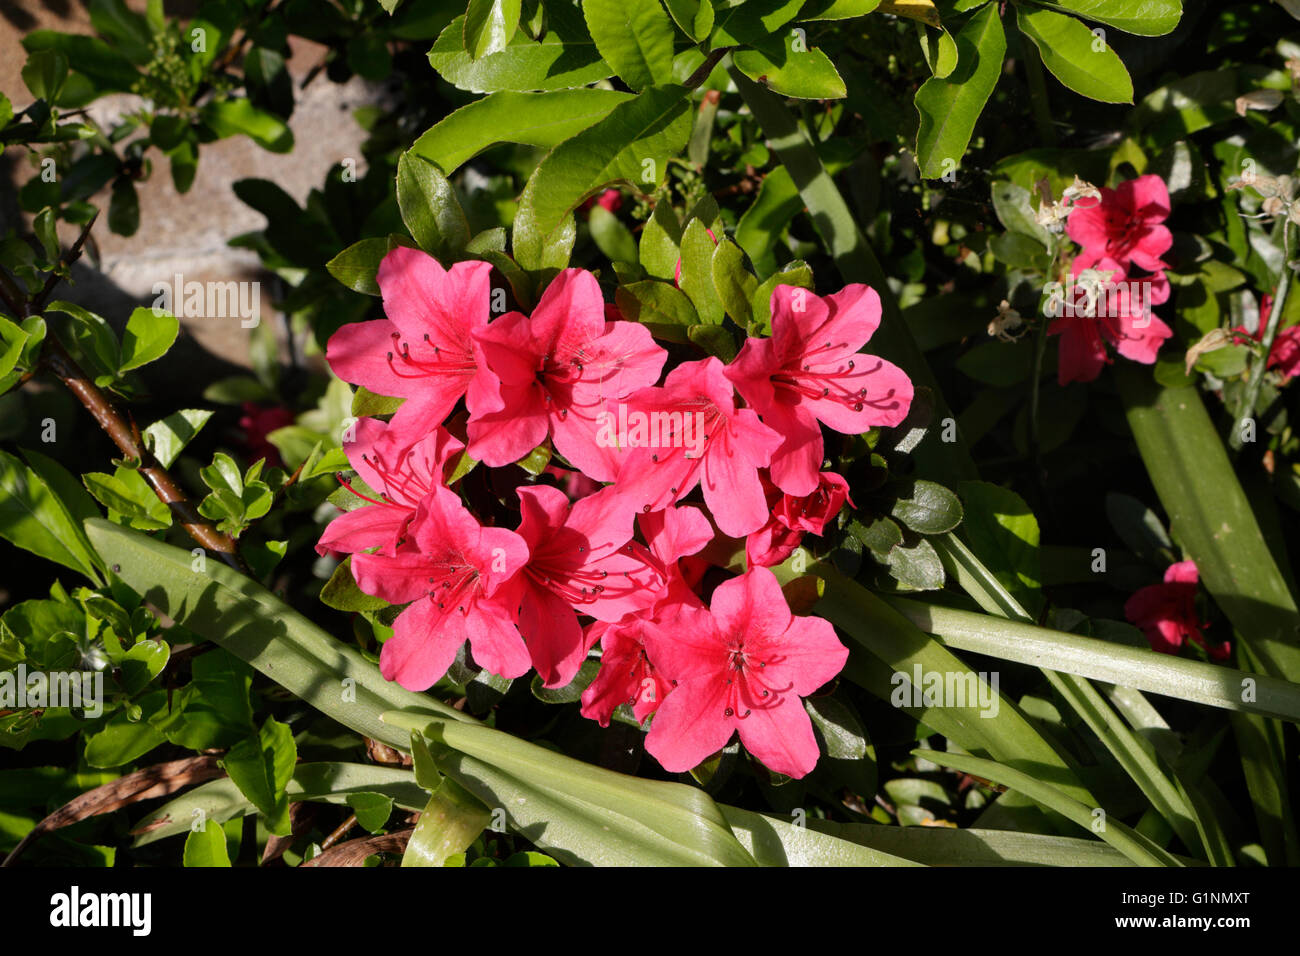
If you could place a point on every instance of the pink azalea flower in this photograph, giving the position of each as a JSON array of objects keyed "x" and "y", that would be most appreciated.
[
  {"x": 401, "y": 473},
  {"x": 1127, "y": 226},
  {"x": 741, "y": 666},
  {"x": 1285, "y": 353},
  {"x": 462, "y": 582},
  {"x": 690, "y": 432},
  {"x": 1118, "y": 316},
  {"x": 1166, "y": 612},
  {"x": 582, "y": 559},
  {"x": 810, "y": 371},
  {"x": 556, "y": 372},
  {"x": 424, "y": 351},
  {"x": 626, "y": 674},
  {"x": 793, "y": 516}
]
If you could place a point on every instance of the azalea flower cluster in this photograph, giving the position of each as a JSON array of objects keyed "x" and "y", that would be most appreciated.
[
  {"x": 612, "y": 559},
  {"x": 1116, "y": 278}
]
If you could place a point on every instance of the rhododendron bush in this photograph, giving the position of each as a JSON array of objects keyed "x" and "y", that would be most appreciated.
[{"x": 701, "y": 432}]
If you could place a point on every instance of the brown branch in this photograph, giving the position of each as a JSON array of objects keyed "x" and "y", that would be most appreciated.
[
  {"x": 354, "y": 852},
  {"x": 340, "y": 832},
  {"x": 147, "y": 784},
  {"x": 126, "y": 438},
  {"x": 705, "y": 68}
]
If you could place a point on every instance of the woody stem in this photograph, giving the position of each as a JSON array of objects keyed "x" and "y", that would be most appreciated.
[{"x": 57, "y": 359}]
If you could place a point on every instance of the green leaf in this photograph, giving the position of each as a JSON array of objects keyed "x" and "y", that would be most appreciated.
[
  {"x": 1003, "y": 534},
  {"x": 695, "y": 17},
  {"x": 368, "y": 56},
  {"x": 662, "y": 307},
  {"x": 430, "y": 208},
  {"x": 927, "y": 507},
  {"x": 149, "y": 334},
  {"x": 206, "y": 846},
  {"x": 372, "y": 809},
  {"x": 489, "y": 25},
  {"x": 452, "y": 820},
  {"x": 1133, "y": 845},
  {"x": 136, "y": 501},
  {"x": 591, "y": 815},
  {"x": 837, "y": 9},
  {"x": 358, "y": 264},
  {"x": 90, "y": 56},
  {"x": 1012, "y": 205},
  {"x": 949, "y": 107},
  {"x": 632, "y": 145},
  {"x": 341, "y": 592},
  {"x": 1148, "y": 18},
  {"x": 697, "y": 272},
  {"x": 636, "y": 39},
  {"x": 806, "y": 73},
  {"x": 761, "y": 225},
  {"x": 167, "y": 437},
  {"x": 532, "y": 119},
  {"x": 740, "y": 22},
  {"x": 1070, "y": 50},
  {"x": 121, "y": 741},
  {"x": 44, "y": 73},
  {"x": 565, "y": 57},
  {"x": 734, "y": 283},
  {"x": 233, "y": 117},
  {"x": 777, "y": 842},
  {"x": 611, "y": 237},
  {"x": 261, "y": 767},
  {"x": 34, "y": 518},
  {"x": 916, "y": 567},
  {"x": 661, "y": 238}
]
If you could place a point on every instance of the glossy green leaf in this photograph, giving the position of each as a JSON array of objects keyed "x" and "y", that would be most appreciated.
[
  {"x": 632, "y": 145},
  {"x": 34, "y": 518},
  {"x": 261, "y": 767},
  {"x": 1133, "y": 845},
  {"x": 636, "y": 39},
  {"x": 1148, "y": 18},
  {"x": 167, "y": 437},
  {"x": 430, "y": 208},
  {"x": 206, "y": 846},
  {"x": 533, "y": 119},
  {"x": 789, "y": 67},
  {"x": 149, "y": 334},
  {"x": 580, "y": 813},
  {"x": 950, "y": 107},
  {"x": 449, "y": 823},
  {"x": 565, "y": 57},
  {"x": 1076, "y": 56},
  {"x": 358, "y": 264},
  {"x": 372, "y": 810},
  {"x": 489, "y": 25}
]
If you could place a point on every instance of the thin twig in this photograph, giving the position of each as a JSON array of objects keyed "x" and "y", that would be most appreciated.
[
  {"x": 1248, "y": 399},
  {"x": 62, "y": 364},
  {"x": 38, "y": 304}
]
